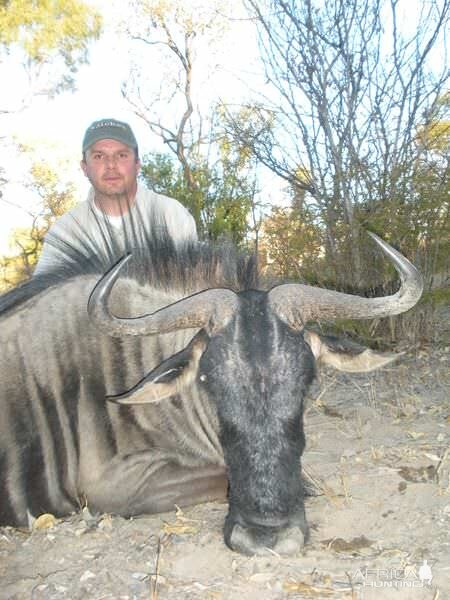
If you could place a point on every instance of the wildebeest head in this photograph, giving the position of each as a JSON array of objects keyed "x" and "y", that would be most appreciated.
[{"x": 254, "y": 360}]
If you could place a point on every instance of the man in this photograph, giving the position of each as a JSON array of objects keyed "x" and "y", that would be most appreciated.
[{"x": 119, "y": 213}]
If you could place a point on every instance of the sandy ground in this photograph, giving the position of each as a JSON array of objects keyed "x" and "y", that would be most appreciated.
[{"x": 378, "y": 449}]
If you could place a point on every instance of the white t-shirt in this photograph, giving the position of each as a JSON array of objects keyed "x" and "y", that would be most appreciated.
[{"x": 89, "y": 230}]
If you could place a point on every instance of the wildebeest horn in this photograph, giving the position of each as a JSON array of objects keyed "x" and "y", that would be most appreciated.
[
  {"x": 296, "y": 304},
  {"x": 211, "y": 309}
]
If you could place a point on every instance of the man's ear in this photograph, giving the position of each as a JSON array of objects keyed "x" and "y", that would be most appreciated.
[{"x": 83, "y": 167}]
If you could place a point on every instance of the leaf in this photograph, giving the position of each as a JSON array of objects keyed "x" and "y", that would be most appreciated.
[
  {"x": 261, "y": 577},
  {"x": 415, "y": 435},
  {"x": 182, "y": 525},
  {"x": 418, "y": 474},
  {"x": 352, "y": 547},
  {"x": 178, "y": 528},
  {"x": 309, "y": 591},
  {"x": 45, "y": 521}
]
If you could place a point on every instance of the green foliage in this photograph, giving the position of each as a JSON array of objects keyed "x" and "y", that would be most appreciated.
[
  {"x": 26, "y": 243},
  {"x": 56, "y": 198},
  {"x": 46, "y": 29},
  {"x": 44, "y": 26},
  {"x": 416, "y": 220},
  {"x": 196, "y": 17},
  {"x": 291, "y": 244},
  {"x": 434, "y": 134},
  {"x": 207, "y": 172},
  {"x": 438, "y": 297},
  {"x": 219, "y": 202}
]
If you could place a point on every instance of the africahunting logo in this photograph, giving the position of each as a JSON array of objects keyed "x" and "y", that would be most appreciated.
[{"x": 405, "y": 577}]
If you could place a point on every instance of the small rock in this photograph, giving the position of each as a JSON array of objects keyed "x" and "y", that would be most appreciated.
[
  {"x": 261, "y": 577},
  {"x": 140, "y": 576},
  {"x": 86, "y": 576},
  {"x": 277, "y": 586},
  {"x": 161, "y": 579},
  {"x": 90, "y": 519},
  {"x": 402, "y": 487},
  {"x": 106, "y": 524},
  {"x": 80, "y": 532},
  {"x": 348, "y": 452}
]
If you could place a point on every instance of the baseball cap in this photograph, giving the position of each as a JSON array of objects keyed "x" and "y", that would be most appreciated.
[{"x": 109, "y": 129}]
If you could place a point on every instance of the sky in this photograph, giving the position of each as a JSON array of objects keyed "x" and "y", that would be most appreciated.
[{"x": 54, "y": 128}]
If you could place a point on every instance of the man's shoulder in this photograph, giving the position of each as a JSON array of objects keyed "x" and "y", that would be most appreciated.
[
  {"x": 76, "y": 214},
  {"x": 177, "y": 217},
  {"x": 160, "y": 201}
]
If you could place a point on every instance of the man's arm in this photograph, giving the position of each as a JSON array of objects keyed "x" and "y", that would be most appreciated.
[
  {"x": 189, "y": 228},
  {"x": 50, "y": 257},
  {"x": 179, "y": 221}
]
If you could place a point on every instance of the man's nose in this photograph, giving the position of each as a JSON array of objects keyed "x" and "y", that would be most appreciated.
[{"x": 110, "y": 161}]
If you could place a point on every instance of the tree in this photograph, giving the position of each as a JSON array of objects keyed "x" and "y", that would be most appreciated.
[
  {"x": 420, "y": 222},
  {"x": 26, "y": 242},
  {"x": 212, "y": 178},
  {"x": 51, "y": 37},
  {"x": 349, "y": 83},
  {"x": 220, "y": 201},
  {"x": 291, "y": 245},
  {"x": 44, "y": 42}
]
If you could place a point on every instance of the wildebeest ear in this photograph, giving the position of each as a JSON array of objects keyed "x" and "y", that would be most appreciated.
[
  {"x": 168, "y": 378},
  {"x": 346, "y": 355}
]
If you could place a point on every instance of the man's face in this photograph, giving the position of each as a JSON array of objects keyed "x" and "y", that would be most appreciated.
[{"x": 112, "y": 168}]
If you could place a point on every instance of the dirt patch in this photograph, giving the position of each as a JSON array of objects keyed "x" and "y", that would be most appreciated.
[{"x": 378, "y": 452}]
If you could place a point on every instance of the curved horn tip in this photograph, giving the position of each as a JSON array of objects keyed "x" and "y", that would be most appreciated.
[
  {"x": 376, "y": 238},
  {"x": 388, "y": 249},
  {"x": 373, "y": 235},
  {"x": 120, "y": 263},
  {"x": 403, "y": 266},
  {"x": 113, "y": 272},
  {"x": 106, "y": 282}
]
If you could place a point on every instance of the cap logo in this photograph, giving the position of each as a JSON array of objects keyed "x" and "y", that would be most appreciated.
[
  {"x": 109, "y": 129},
  {"x": 101, "y": 124}
]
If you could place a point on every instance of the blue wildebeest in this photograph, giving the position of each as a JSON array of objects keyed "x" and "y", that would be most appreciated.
[{"x": 218, "y": 414}]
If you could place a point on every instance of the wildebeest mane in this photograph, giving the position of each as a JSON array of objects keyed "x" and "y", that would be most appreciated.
[{"x": 156, "y": 261}]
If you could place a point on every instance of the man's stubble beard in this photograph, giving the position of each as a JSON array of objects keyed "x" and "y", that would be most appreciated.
[{"x": 103, "y": 191}]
